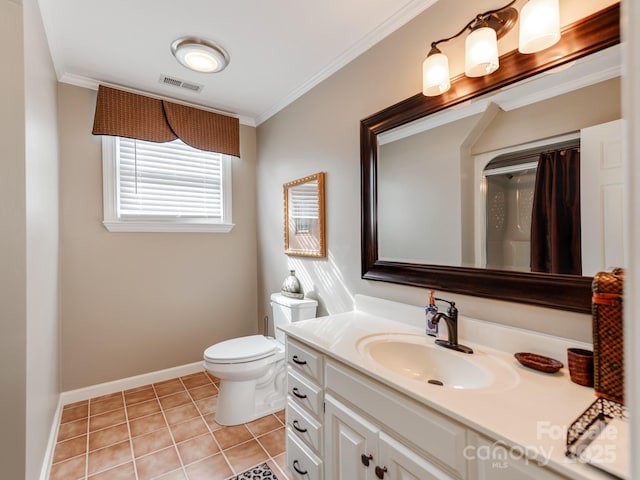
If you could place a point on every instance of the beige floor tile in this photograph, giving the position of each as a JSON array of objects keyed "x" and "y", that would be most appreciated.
[
  {"x": 273, "y": 442},
  {"x": 230, "y": 436},
  {"x": 142, "y": 409},
  {"x": 122, "y": 472},
  {"x": 139, "y": 395},
  {"x": 75, "y": 404},
  {"x": 197, "y": 448},
  {"x": 108, "y": 436},
  {"x": 175, "y": 475},
  {"x": 207, "y": 405},
  {"x": 109, "y": 457},
  {"x": 151, "y": 442},
  {"x": 246, "y": 455},
  {"x": 203, "y": 392},
  {"x": 72, "y": 429},
  {"x": 189, "y": 429},
  {"x": 212, "y": 468},
  {"x": 195, "y": 380},
  {"x": 175, "y": 400},
  {"x": 71, "y": 469},
  {"x": 106, "y": 396},
  {"x": 168, "y": 387},
  {"x": 166, "y": 425},
  {"x": 263, "y": 425},
  {"x": 75, "y": 413},
  {"x": 70, "y": 448},
  {"x": 97, "y": 407},
  {"x": 158, "y": 463},
  {"x": 181, "y": 413},
  {"x": 109, "y": 419},
  {"x": 144, "y": 425}
]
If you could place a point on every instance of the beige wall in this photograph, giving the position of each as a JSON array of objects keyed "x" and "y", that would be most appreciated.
[
  {"x": 585, "y": 107},
  {"x": 13, "y": 292},
  {"x": 29, "y": 357},
  {"x": 320, "y": 132},
  {"x": 133, "y": 303},
  {"x": 43, "y": 356}
]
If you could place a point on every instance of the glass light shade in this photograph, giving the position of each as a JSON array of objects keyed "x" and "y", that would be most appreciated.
[
  {"x": 199, "y": 56},
  {"x": 435, "y": 75},
  {"x": 539, "y": 25},
  {"x": 481, "y": 52}
]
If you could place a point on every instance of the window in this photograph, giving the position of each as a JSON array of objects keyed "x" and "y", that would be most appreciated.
[{"x": 164, "y": 187}]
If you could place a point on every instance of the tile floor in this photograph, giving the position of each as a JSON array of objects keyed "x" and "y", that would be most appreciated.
[{"x": 163, "y": 431}]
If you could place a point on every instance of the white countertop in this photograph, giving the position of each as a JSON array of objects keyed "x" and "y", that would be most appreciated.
[{"x": 533, "y": 412}]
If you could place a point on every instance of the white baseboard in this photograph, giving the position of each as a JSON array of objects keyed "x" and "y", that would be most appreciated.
[
  {"x": 92, "y": 391},
  {"x": 51, "y": 444},
  {"x": 86, "y": 393}
]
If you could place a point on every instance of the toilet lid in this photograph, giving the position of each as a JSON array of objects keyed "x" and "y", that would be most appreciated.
[{"x": 242, "y": 349}]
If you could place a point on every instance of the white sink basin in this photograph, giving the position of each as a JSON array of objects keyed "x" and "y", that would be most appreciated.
[{"x": 417, "y": 358}]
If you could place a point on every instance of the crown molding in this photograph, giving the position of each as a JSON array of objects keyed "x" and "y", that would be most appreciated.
[
  {"x": 93, "y": 84},
  {"x": 409, "y": 12}
]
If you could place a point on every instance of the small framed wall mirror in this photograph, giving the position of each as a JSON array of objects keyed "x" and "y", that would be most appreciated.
[{"x": 304, "y": 226}]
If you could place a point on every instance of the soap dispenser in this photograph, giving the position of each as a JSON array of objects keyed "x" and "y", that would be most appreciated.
[{"x": 430, "y": 311}]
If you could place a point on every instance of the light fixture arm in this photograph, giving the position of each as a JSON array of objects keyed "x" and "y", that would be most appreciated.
[{"x": 481, "y": 17}]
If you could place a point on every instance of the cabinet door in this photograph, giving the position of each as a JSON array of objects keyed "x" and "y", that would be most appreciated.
[
  {"x": 399, "y": 463},
  {"x": 350, "y": 443}
]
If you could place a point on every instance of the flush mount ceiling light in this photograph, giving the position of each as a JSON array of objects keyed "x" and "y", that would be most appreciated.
[
  {"x": 200, "y": 55},
  {"x": 539, "y": 29}
]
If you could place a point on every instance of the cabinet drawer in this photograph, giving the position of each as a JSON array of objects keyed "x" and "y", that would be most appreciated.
[
  {"x": 440, "y": 438},
  {"x": 305, "y": 360},
  {"x": 304, "y": 426},
  {"x": 304, "y": 465},
  {"x": 304, "y": 392}
]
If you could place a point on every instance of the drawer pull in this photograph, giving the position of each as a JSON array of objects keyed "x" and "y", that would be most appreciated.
[
  {"x": 297, "y": 393},
  {"x": 298, "y": 361},
  {"x": 297, "y": 426},
  {"x": 366, "y": 459},
  {"x": 380, "y": 471},
  {"x": 301, "y": 472}
]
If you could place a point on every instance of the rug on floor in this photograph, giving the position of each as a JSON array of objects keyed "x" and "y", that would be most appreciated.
[{"x": 261, "y": 472}]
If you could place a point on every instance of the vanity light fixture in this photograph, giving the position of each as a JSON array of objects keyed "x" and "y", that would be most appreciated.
[
  {"x": 539, "y": 29},
  {"x": 200, "y": 55}
]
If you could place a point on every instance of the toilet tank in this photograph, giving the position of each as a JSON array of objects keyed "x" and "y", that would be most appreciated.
[{"x": 287, "y": 310}]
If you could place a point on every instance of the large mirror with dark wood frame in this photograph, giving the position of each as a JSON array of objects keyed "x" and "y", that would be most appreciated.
[{"x": 425, "y": 138}]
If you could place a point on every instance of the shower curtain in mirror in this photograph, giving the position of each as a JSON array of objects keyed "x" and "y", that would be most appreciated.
[{"x": 555, "y": 220}]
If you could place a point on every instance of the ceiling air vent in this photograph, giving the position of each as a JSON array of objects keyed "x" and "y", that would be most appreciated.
[{"x": 176, "y": 82}]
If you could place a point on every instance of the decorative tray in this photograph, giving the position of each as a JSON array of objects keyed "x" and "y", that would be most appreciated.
[
  {"x": 538, "y": 362},
  {"x": 599, "y": 435}
]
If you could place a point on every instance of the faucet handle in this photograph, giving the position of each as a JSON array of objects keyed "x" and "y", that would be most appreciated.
[{"x": 452, "y": 311}]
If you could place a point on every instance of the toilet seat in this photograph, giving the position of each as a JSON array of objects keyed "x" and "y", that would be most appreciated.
[{"x": 241, "y": 350}]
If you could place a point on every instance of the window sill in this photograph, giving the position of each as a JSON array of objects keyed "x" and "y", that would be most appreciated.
[{"x": 167, "y": 227}]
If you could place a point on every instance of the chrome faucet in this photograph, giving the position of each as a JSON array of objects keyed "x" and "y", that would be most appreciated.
[{"x": 451, "y": 319}]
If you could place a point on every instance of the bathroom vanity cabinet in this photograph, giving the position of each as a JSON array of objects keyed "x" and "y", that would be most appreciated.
[{"x": 344, "y": 425}]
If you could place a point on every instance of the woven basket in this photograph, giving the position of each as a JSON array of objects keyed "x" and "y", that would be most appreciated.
[
  {"x": 580, "y": 366},
  {"x": 608, "y": 354}
]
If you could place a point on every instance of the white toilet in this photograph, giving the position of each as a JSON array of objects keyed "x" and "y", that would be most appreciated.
[{"x": 252, "y": 369}]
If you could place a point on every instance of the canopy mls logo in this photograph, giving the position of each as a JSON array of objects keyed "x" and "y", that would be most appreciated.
[
  {"x": 551, "y": 437},
  {"x": 500, "y": 454}
]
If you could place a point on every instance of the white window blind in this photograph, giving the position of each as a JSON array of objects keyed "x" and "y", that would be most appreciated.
[
  {"x": 304, "y": 206},
  {"x": 157, "y": 185},
  {"x": 304, "y": 201},
  {"x": 169, "y": 180}
]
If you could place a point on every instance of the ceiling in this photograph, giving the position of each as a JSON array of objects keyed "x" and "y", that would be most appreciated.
[{"x": 279, "y": 49}]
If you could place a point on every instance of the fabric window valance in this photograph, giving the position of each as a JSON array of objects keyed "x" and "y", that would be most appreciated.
[{"x": 130, "y": 115}]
